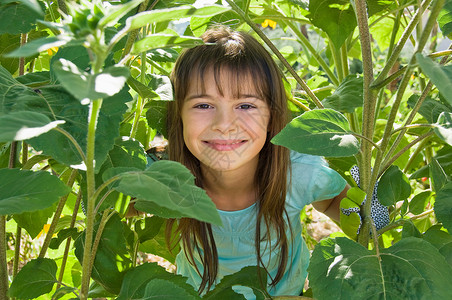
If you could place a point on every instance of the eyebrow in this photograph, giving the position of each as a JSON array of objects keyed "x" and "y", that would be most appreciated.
[{"x": 241, "y": 96}]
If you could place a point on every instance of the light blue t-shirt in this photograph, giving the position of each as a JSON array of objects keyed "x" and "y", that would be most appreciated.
[{"x": 312, "y": 180}]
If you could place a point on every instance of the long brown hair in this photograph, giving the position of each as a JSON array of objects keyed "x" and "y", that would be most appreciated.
[{"x": 243, "y": 57}]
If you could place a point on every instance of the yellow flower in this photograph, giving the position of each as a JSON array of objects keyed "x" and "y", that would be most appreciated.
[
  {"x": 52, "y": 50},
  {"x": 270, "y": 23},
  {"x": 46, "y": 227}
]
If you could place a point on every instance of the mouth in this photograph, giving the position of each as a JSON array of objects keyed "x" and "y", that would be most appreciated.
[{"x": 224, "y": 145}]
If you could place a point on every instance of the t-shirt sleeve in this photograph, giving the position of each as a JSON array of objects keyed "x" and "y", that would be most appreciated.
[{"x": 312, "y": 180}]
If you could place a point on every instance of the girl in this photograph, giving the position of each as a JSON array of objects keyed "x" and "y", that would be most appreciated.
[{"x": 229, "y": 102}]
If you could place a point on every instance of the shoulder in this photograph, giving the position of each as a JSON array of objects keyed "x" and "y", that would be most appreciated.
[{"x": 311, "y": 179}]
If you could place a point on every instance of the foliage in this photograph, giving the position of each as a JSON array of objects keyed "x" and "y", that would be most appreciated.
[{"x": 85, "y": 94}]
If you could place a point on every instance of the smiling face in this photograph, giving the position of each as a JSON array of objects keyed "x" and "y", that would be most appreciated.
[{"x": 224, "y": 125}]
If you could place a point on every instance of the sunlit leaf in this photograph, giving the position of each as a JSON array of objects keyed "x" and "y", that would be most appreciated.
[
  {"x": 441, "y": 76},
  {"x": 443, "y": 127},
  {"x": 24, "y": 125},
  {"x": 343, "y": 269},
  {"x": 36, "y": 278},
  {"x": 156, "y": 41},
  {"x": 17, "y": 17},
  {"x": 319, "y": 132},
  {"x": 167, "y": 189},
  {"x": 445, "y": 19}
]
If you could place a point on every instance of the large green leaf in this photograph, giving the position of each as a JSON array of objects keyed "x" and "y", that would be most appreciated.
[
  {"x": 167, "y": 189},
  {"x": 159, "y": 288},
  {"x": 319, "y": 132},
  {"x": 439, "y": 177},
  {"x": 441, "y": 240},
  {"x": 54, "y": 102},
  {"x": 134, "y": 285},
  {"x": 162, "y": 40},
  {"x": 248, "y": 277},
  {"x": 17, "y": 17},
  {"x": 36, "y": 278},
  {"x": 443, "y": 127},
  {"x": 335, "y": 17},
  {"x": 24, "y": 125},
  {"x": 393, "y": 186},
  {"x": 26, "y": 191},
  {"x": 348, "y": 95},
  {"x": 85, "y": 86},
  {"x": 112, "y": 257},
  {"x": 441, "y": 76},
  {"x": 343, "y": 269},
  {"x": 156, "y": 116},
  {"x": 445, "y": 19},
  {"x": 430, "y": 108},
  {"x": 443, "y": 206}
]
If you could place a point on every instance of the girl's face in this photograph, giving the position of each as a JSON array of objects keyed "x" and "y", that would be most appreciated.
[{"x": 222, "y": 131}]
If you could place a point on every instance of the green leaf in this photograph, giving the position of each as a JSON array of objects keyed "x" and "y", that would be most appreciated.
[
  {"x": 167, "y": 189},
  {"x": 136, "y": 280},
  {"x": 8, "y": 43},
  {"x": 419, "y": 202},
  {"x": 85, "y": 86},
  {"x": 151, "y": 228},
  {"x": 116, "y": 12},
  {"x": 247, "y": 276},
  {"x": 36, "y": 46},
  {"x": 24, "y": 125},
  {"x": 156, "y": 116},
  {"x": 141, "y": 89},
  {"x": 26, "y": 191},
  {"x": 33, "y": 222},
  {"x": 163, "y": 55},
  {"x": 394, "y": 186},
  {"x": 161, "y": 288},
  {"x": 350, "y": 218},
  {"x": 319, "y": 132},
  {"x": 112, "y": 257},
  {"x": 441, "y": 240},
  {"x": 430, "y": 108},
  {"x": 439, "y": 177},
  {"x": 443, "y": 127},
  {"x": 61, "y": 292},
  {"x": 441, "y": 76},
  {"x": 443, "y": 206},
  {"x": 36, "y": 278},
  {"x": 348, "y": 95},
  {"x": 162, "y": 86},
  {"x": 63, "y": 235},
  {"x": 16, "y": 17},
  {"x": 343, "y": 269},
  {"x": 445, "y": 19},
  {"x": 410, "y": 230},
  {"x": 335, "y": 17},
  {"x": 156, "y": 41}
]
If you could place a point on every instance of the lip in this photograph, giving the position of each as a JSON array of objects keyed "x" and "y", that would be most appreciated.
[{"x": 225, "y": 145}]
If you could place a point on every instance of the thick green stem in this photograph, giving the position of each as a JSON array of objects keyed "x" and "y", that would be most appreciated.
[
  {"x": 140, "y": 102},
  {"x": 17, "y": 247},
  {"x": 272, "y": 47},
  {"x": 368, "y": 114},
  {"x": 91, "y": 185},
  {"x": 56, "y": 216},
  {"x": 337, "y": 61},
  {"x": 344, "y": 58}
]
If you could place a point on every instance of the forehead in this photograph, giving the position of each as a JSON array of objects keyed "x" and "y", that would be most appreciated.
[{"x": 226, "y": 81}]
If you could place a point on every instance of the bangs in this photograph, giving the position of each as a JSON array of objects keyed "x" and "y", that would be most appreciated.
[{"x": 238, "y": 79}]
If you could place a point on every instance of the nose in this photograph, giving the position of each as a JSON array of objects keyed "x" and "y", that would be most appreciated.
[{"x": 225, "y": 120}]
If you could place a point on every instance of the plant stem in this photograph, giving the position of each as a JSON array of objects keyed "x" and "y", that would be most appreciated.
[
  {"x": 337, "y": 61},
  {"x": 344, "y": 60},
  {"x": 56, "y": 216},
  {"x": 315, "y": 54},
  {"x": 368, "y": 114},
  {"x": 68, "y": 241},
  {"x": 140, "y": 102},
  {"x": 17, "y": 250},
  {"x": 3, "y": 263},
  {"x": 401, "y": 221},
  {"x": 91, "y": 185},
  {"x": 267, "y": 41},
  {"x": 134, "y": 33},
  {"x": 401, "y": 43}
]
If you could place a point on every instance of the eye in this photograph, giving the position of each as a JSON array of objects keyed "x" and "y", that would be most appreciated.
[
  {"x": 246, "y": 106},
  {"x": 203, "y": 106}
]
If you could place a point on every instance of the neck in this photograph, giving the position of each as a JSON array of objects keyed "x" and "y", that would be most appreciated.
[{"x": 230, "y": 190}]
